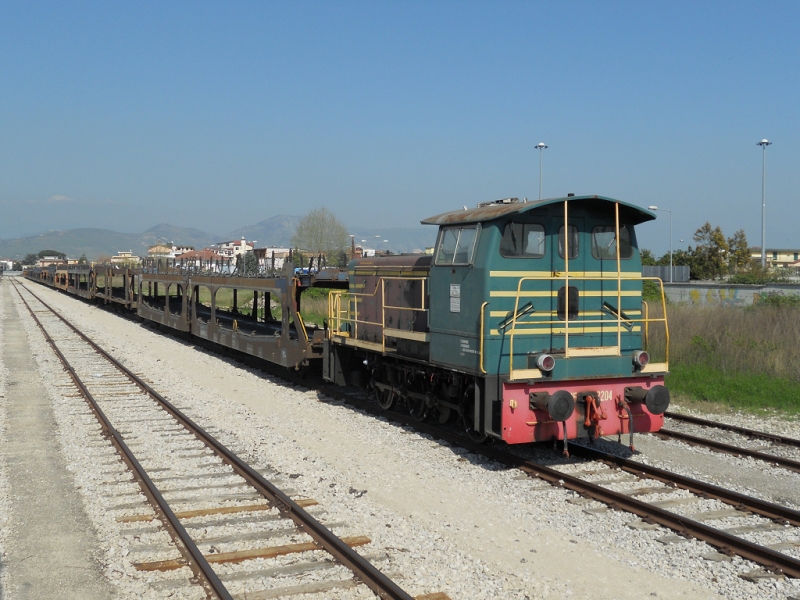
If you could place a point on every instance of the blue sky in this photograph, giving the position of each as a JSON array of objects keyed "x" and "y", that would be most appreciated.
[{"x": 215, "y": 115}]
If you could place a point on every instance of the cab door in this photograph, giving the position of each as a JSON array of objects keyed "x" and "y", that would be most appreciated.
[{"x": 456, "y": 287}]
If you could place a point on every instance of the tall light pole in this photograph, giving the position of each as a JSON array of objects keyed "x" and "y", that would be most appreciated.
[
  {"x": 670, "y": 236},
  {"x": 764, "y": 144},
  {"x": 541, "y": 146}
]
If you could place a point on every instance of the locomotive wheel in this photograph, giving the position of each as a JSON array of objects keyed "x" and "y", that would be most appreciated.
[
  {"x": 418, "y": 409},
  {"x": 386, "y": 398}
]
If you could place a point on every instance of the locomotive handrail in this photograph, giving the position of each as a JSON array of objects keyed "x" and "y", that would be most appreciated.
[
  {"x": 336, "y": 314},
  {"x": 514, "y": 330}
]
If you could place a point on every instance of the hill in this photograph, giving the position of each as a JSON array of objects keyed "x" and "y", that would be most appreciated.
[{"x": 275, "y": 231}]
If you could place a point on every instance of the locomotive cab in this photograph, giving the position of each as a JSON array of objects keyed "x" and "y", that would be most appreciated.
[{"x": 557, "y": 338}]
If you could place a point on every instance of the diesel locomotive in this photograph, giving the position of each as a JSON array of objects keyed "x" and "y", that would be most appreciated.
[{"x": 526, "y": 324}]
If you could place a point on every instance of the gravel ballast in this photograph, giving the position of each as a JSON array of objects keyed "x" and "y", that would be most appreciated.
[{"x": 446, "y": 519}]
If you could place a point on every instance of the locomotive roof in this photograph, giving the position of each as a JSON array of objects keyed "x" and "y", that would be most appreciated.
[{"x": 489, "y": 211}]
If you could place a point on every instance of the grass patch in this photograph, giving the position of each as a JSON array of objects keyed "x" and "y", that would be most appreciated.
[
  {"x": 314, "y": 305},
  {"x": 752, "y": 392}
]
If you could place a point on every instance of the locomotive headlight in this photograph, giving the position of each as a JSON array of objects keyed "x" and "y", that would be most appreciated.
[
  {"x": 545, "y": 362},
  {"x": 641, "y": 358}
]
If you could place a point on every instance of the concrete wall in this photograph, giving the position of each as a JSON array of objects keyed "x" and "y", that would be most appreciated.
[
  {"x": 680, "y": 274},
  {"x": 720, "y": 293}
]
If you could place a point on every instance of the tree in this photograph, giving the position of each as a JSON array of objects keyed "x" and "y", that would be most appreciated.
[
  {"x": 83, "y": 260},
  {"x": 738, "y": 252},
  {"x": 709, "y": 258},
  {"x": 647, "y": 257},
  {"x": 247, "y": 264},
  {"x": 55, "y": 253},
  {"x": 17, "y": 266},
  {"x": 321, "y": 233}
]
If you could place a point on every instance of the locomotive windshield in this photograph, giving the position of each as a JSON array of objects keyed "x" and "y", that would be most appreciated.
[
  {"x": 456, "y": 245},
  {"x": 604, "y": 243}
]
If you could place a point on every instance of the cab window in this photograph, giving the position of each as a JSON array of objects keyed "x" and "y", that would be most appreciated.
[
  {"x": 523, "y": 240},
  {"x": 572, "y": 241},
  {"x": 456, "y": 245},
  {"x": 604, "y": 243}
]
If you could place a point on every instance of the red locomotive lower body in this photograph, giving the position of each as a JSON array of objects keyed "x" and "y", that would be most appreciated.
[{"x": 590, "y": 408}]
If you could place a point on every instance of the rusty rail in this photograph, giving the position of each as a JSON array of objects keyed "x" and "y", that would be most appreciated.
[
  {"x": 786, "y": 441},
  {"x": 327, "y": 540},
  {"x": 786, "y": 463}
]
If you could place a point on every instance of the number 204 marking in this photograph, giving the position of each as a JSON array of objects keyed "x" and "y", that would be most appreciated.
[{"x": 605, "y": 395}]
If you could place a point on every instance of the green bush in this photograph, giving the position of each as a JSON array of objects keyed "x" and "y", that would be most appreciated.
[
  {"x": 778, "y": 300},
  {"x": 651, "y": 291}
]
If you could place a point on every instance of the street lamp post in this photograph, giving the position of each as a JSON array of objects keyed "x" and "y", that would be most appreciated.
[
  {"x": 670, "y": 237},
  {"x": 764, "y": 144},
  {"x": 541, "y": 146}
]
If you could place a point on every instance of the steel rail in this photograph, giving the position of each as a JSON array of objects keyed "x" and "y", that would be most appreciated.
[
  {"x": 786, "y": 463},
  {"x": 194, "y": 558},
  {"x": 787, "y": 441},
  {"x": 373, "y": 578}
]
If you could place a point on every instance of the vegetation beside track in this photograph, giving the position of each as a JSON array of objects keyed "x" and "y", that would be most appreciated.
[
  {"x": 314, "y": 305},
  {"x": 743, "y": 358}
]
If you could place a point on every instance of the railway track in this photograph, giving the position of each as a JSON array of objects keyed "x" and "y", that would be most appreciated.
[
  {"x": 217, "y": 509},
  {"x": 776, "y": 442},
  {"x": 765, "y": 533},
  {"x": 741, "y": 516}
]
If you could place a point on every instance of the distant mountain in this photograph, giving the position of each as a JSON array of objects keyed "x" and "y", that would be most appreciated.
[
  {"x": 277, "y": 231},
  {"x": 96, "y": 243},
  {"x": 273, "y": 232},
  {"x": 184, "y": 236},
  {"x": 73, "y": 243}
]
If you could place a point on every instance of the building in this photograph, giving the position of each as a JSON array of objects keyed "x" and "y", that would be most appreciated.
[
  {"x": 271, "y": 259},
  {"x": 234, "y": 248},
  {"x": 171, "y": 250},
  {"x": 201, "y": 258},
  {"x": 126, "y": 259},
  {"x": 47, "y": 261},
  {"x": 778, "y": 257}
]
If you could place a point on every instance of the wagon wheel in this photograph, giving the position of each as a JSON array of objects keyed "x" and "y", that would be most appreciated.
[
  {"x": 386, "y": 398},
  {"x": 468, "y": 416}
]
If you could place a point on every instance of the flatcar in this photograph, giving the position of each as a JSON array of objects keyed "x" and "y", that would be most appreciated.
[{"x": 525, "y": 324}]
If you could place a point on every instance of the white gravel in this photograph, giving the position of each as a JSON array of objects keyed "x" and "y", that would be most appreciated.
[{"x": 447, "y": 520}]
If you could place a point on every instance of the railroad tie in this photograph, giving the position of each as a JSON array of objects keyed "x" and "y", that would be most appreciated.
[{"x": 242, "y": 555}]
